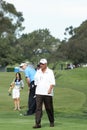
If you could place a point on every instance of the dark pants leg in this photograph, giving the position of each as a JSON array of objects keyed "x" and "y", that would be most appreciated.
[
  {"x": 39, "y": 102},
  {"x": 48, "y": 101},
  {"x": 31, "y": 101}
]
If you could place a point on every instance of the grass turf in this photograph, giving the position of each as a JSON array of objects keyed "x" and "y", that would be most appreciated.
[{"x": 70, "y": 103}]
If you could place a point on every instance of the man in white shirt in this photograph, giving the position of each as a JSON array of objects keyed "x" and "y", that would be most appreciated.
[{"x": 44, "y": 81}]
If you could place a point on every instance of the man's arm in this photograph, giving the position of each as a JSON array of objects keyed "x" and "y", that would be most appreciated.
[
  {"x": 28, "y": 81},
  {"x": 50, "y": 89}
]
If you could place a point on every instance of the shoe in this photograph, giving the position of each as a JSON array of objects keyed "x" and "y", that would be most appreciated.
[
  {"x": 26, "y": 114},
  {"x": 37, "y": 126},
  {"x": 19, "y": 109},
  {"x": 51, "y": 124},
  {"x": 29, "y": 113},
  {"x": 15, "y": 109}
]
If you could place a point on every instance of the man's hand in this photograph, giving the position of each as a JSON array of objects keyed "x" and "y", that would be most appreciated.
[{"x": 50, "y": 89}]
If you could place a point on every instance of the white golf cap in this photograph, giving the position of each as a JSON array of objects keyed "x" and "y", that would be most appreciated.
[
  {"x": 22, "y": 64},
  {"x": 43, "y": 61}
]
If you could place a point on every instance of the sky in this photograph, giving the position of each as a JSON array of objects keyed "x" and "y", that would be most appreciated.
[{"x": 55, "y": 15}]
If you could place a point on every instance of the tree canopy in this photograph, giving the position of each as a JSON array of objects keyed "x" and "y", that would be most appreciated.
[
  {"x": 10, "y": 27},
  {"x": 16, "y": 47}
]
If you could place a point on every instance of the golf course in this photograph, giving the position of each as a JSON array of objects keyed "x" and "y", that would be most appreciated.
[{"x": 70, "y": 102}]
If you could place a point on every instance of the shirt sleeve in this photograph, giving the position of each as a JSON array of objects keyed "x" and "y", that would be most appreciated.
[
  {"x": 26, "y": 73},
  {"x": 22, "y": 84},
  {"x": 36, "y": 78},
  {"x": 52, "y": 78}
]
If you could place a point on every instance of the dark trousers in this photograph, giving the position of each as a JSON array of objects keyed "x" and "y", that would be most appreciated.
[
  {"x": 32, "y": 99},
  {"x": 48, "y": 102}
]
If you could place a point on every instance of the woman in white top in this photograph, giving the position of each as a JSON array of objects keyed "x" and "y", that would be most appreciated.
[{"x": 16, "y": 86}]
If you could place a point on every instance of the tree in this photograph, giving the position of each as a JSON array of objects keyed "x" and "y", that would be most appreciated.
[
  {"x": 39, "y": 43},
  {"x": 77, "y": 45},
  {"x": 10, "y": 28},
  {"x": 69, "y": 32},
  {"x": 10, "y": 20}
]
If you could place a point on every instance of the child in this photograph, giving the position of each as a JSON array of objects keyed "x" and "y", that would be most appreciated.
[{"x": 16, "y": 86}]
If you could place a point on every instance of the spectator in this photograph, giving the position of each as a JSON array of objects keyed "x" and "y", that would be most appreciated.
[{"x": 16, "y": 85}]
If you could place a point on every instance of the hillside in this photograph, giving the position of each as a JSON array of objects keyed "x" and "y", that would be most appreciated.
[{"x": 71, "y": 90}]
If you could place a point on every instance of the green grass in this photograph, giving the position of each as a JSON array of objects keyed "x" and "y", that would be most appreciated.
[{"x": 70, "y": 103}]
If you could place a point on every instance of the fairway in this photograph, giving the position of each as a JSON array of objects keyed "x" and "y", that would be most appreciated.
[
  {"x": 14, "y": 121},
  {"x": 70, "y": 103}
]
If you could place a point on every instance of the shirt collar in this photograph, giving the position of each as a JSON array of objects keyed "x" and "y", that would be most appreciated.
[{"x": 45, "y": 71}]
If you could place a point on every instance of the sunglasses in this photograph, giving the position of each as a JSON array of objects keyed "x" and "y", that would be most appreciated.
[{"x": 42, "y": 64}]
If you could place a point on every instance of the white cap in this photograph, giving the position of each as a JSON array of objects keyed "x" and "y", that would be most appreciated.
[
  {"x": 22, "y": 64},
  {"x": 43, "y": 61}
]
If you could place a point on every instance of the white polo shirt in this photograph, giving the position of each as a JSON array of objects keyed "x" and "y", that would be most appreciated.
[{"x": 43, "y": 81}]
